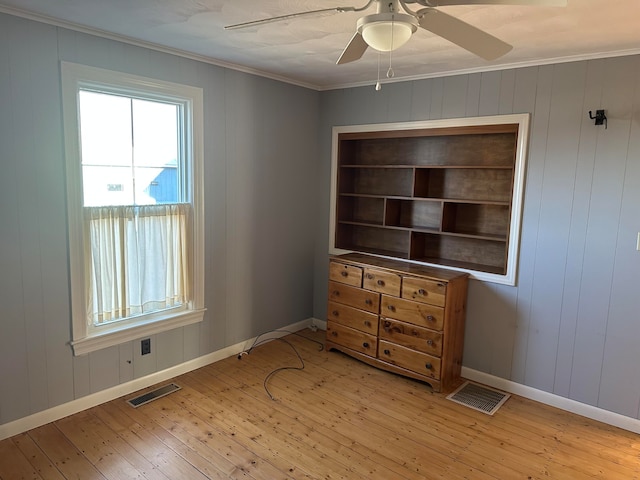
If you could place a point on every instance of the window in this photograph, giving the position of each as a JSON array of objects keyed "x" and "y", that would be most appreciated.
[{"x": 134, "y": 188}]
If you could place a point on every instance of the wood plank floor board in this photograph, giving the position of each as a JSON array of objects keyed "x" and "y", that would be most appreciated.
[
  {"x": 325, "y": 416},
  {"x": 13, "y": 463},
  {"x": 336, "y": 419},
  {"x": 416, "y": 425},
  {"x": 36, "y": 457},
  {"x": 217, "y": 442},
  {"x": 209, "y": 413},
  {"x": 389, "y": 406},
  {"x": 80, "y": 429},
  {"x": 317, "y": 423},
  {"x": 413, "y": 393},
  {"x": 206, "y": 461},
  {"x": 208, "y": 440},
  {"x": 302, "y": 431},
  {"x": 385, "y": 438},
  {"x": 348, "y": 419},
  {"x": 342, "y": 393},
  {"x": 368, "y": 455},
  {"x": 590, "y": 461},
  {"x": 282, "y": 440},
  {"x": 131, "y": 455},
  {"x": 143, "y": 440},
  {"x": 65, "y": 455}
]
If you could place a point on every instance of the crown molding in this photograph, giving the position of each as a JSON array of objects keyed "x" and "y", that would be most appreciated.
[{"x": 16, "y": 12}]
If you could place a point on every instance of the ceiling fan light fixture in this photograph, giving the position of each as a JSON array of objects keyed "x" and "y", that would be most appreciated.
[{"x": 387, "y": 31}]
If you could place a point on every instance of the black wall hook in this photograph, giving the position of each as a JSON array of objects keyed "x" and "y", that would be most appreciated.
[{"x": 600, "y": 118}]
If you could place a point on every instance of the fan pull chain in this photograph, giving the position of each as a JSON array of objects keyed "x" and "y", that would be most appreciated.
[
  {"x": 378, "y": 87},
  {"x": 390, "y": 73}
]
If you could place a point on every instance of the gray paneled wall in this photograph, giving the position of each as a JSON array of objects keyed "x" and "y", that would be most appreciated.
[
  {"x": 571, "y": 324},
  {"x": 260, "y": 160}
]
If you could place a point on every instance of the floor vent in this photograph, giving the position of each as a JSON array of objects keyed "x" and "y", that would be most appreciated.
[
  {"x": 153, "y": 394},
  {"x": 480, "y": 398}
]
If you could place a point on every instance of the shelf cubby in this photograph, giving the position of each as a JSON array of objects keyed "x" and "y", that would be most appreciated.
[
  {"x": 379, "y": 241},
  {"x": 462, "y": 252},
  {"x": 476, "y": 219},
  {"x": 474, "y": 184},
  {"x": 357, "y": 209},
  {"x": 376, "y": 181},
  {"x": 415, "y": 214}
]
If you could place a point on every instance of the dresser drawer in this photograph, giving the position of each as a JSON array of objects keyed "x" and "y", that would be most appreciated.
[
  {"x": 354, "y": 297},
  {"x": 353, "y": 317},
  {"x": 410, "y": 359},
  {"x": 411, "y": 336},
  {"x": 352, "y": 338},
  {"x": 347, "y": 274},
  {"x": 381, "y": 281},
  {"x": 421, "y": 314},
  {"x": 423, "y": 290}
]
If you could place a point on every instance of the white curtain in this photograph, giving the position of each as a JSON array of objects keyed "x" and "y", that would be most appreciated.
[{"x": 136, "y": 260}]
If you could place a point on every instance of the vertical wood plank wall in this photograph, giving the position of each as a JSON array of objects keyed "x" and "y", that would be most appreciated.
[
  {"x": 260, "y": 155},
  {"x": 571, "y": 325}
]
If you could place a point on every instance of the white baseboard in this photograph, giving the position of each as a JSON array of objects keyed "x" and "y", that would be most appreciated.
[
  {"x": 563, "y": 403},
  {"x": 321, "y": 324},
  {"x": 60, "y": 411}
]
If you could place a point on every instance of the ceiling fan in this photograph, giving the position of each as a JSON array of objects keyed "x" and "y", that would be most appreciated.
[{"x": 394, "y": 23}]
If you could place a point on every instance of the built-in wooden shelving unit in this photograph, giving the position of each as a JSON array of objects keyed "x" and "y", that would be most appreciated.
[{"x": 445, "y": 193}]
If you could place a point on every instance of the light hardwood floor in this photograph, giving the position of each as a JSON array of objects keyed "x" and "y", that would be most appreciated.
[{"x": 337, "y": 418}]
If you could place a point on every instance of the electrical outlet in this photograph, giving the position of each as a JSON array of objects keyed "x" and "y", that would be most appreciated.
[{"x": 145, "y": 346}]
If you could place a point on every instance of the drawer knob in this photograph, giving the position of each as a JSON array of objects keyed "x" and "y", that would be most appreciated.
[
  {"x": 430, "y": 318},
  {"x": 381, "y": 283},
  {"x": 334, "y": 333},
  {"x": 392, "y": 308},
  {"x": 387, "y": 352},
  {"x": 367, "y": 323},
  {"x": 344, "y": 273},
  {"x": 429, "y": 342},
  {"x": 335, "y": 293},
  {"x": 428, "y": 366},
  {"x": 368, "y": 302},
  {"x": 369, "y": 276},
  {"x": 422, "y": 292},
  {"x": 335, "y": 313},
  {"x": 365, "y": 344}
]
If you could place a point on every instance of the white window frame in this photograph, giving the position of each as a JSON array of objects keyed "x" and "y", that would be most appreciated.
[{"x": 74, "y": 77}]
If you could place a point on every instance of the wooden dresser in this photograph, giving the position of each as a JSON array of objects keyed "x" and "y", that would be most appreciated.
[{"x": 398, "y": 316}]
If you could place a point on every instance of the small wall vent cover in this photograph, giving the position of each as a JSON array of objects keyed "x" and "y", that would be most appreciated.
[
  {"x": 153, "y": 395},
  {"x": 478, "y": 397}
]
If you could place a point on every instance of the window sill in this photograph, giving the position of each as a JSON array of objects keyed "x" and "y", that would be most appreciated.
[{"x": 115, "y": 337}]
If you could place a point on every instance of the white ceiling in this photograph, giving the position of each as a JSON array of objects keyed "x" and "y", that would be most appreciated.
[{"x": 304, "y": 50}]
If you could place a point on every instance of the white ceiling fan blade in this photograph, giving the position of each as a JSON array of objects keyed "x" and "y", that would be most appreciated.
[
  {"x": 279, "y": 18},
  {"x": 354, "y": 49},
  {"x": 533, "y": 3},
  {"x": 462, "y": 34}
]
